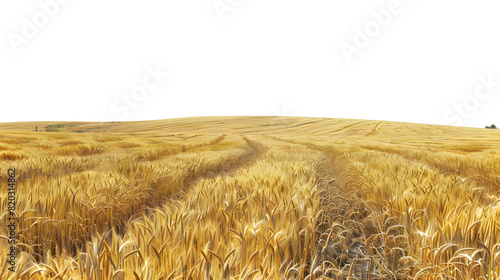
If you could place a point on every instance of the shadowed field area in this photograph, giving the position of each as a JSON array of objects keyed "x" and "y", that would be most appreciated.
[{"x": 251, "y": 198}]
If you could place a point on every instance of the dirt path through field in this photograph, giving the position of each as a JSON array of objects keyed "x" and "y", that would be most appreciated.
[{"x": 345, "y": 223}]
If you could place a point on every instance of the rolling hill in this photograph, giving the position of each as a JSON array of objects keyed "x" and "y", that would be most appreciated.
[{"x": 249, "y": 198}]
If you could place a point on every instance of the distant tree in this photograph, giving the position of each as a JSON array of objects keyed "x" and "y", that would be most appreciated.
[{"x": 491, "y": 126}]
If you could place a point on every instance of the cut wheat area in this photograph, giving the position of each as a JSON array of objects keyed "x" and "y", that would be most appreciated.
[{"x": 249, "y": 198}]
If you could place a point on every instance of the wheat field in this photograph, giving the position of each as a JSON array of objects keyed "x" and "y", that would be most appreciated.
[{"x": 250, "y": 198}]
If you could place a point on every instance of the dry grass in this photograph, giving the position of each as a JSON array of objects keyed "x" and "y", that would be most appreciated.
[{"x": 253, "y": 198}]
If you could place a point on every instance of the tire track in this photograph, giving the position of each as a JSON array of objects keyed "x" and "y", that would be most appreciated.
[
  {"x": 194, "y": 172},
  {"x": 255, "y": 150},
  {"x": 375, "y": 129},
  {"x": 335, "y": 169},
  {"x": 160, "y": 153},
  {"x": 147, "y": 195},
  {"x": 346, "y": 220}
]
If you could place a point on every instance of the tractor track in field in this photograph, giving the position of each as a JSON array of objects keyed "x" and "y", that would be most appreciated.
[
  {"x": 375, "y": 130},
  {"x": 194, "y": 174},
  {"x": 342, "y": 186},
  {"x": 334, "y": 169},
  {"x": 342, "y": 201},
  {"x": 209, "y": 143},
  {"x": 188, "y": 148},
  {"x": 254, "y": 150},
  {"x": 149, "y": 200}
]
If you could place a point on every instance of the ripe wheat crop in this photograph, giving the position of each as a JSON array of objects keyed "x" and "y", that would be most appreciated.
[{"x": 251, "y": 198}]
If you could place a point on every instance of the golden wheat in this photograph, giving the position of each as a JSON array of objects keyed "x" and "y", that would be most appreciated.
[{"x": 252, "y": 198}]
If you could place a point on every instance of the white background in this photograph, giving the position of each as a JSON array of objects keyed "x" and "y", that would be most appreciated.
[{"x": 76, "y": 60}]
